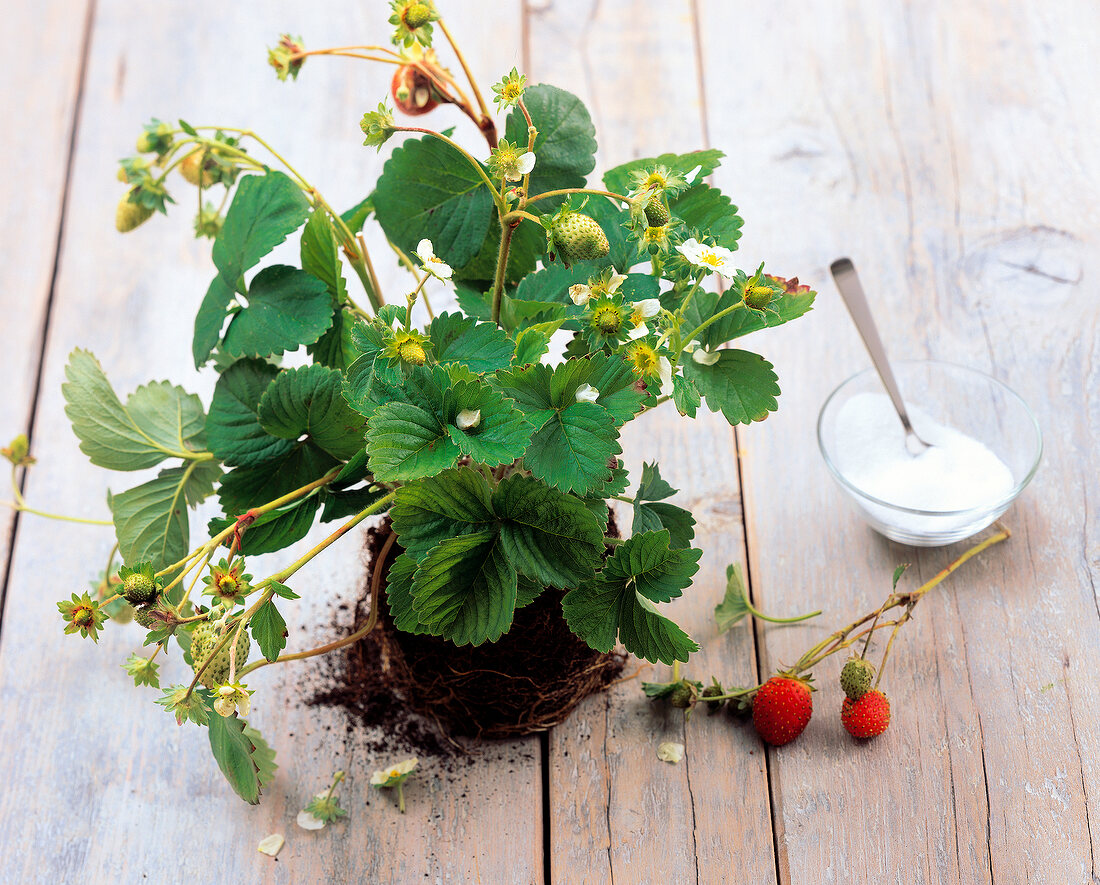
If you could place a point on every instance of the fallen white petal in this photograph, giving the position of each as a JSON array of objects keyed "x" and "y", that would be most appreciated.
[
  {"x": 586, "y": 393},
  {"x": 669, "y": 751},
  {"x": 308, "y": 822},
  {"x": 271, "y": 845}
]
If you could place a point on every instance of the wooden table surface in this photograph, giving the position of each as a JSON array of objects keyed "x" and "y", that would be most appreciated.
[{"x": 951, "y": 149}]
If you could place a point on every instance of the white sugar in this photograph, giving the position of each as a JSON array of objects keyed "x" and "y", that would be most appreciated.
[{"x": 957, "y": 473}]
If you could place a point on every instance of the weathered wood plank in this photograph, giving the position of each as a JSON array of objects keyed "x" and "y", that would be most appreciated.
[
  {"x": 115, "y": 788},
  {"x": 617, "y": 813},
  {"x": 47, "y": 39},
  {"x": 947, "y": 150}
]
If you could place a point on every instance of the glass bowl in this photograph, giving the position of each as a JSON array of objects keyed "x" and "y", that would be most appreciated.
[{"x": 969, "y": 401}]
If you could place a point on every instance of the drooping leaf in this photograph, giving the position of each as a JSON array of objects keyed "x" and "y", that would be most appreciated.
[
  {"x": 465, "y": 589},
  {"x": 549, "y": 536},
  {"x": 480, "y": 347},
  {"x": 287, "y": 308},
  {"x": 151, "y": 521},
  {"x": 233, "y": 429},
  {"x": 565, "y": 147},
  {"x": 429, "y": 190},
  {"x": 430, "y": 510},
  {"x": 734, "y": 605},
  {"x": 309, "y": 401},
  {"x": 685, "y": 396},
  {"x": 741, "y": 385},
  {"x": 158, "y": 421},
  {"x": 265, "y": 210},
  {"x": 235, "y": 753},
  {"x": 269, "y": 630},
  {"x": 262, "y": 755},
  {"x": 320, "y": 255}
]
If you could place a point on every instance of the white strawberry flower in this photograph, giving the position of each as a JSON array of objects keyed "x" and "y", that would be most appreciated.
[
  {"x": 307, "y": 821},
  {"x": 437, "y": 267},
  {"x": 586, "y": 393},
  {"x": 232, "y": 698},
  {"x": 524, "y": 164},
  {"x": 664, "y": 370},
  {"x": 643, "y": 310},
  {"x": 705, "y": 357},
  {"x": 468, "y": 419},
  {"x": 580, "y": 294},
  {"x": 708, "y": 257},
  {"x": 617, "y": 279}
]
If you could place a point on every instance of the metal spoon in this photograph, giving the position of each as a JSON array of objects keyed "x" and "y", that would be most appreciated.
[{"x": 847, "y": 281}]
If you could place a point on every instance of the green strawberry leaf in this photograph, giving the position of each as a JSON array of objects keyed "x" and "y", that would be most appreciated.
[
  {"x": 235, "y": 752},
  {"x": 527, "y": 246},
  {"x": 480, "y": 347},
  {"x": 345, "y": 503},
  {"x": 741, "y": 385},
  {"x": 287, "y": 308},
  {"x": 572, "y": 449},
  {"x": 657, "y": 571},
  {"x": 618, "y": 179},
  {"x": 275, "y": 529},
  {"x": 320, "y": 255},
  {"x": 407, "y": 442},
  {"x": 735, "y": 604},
  {"x": 653, "y": 517},
  {"x": 158, "y": 421},
  {"x": 429, "y": 190},
  {"x": 269, "y": 630},
  {"x": 619, "y": 601},
  {"x": 369, "y": 381},
  {"x": 430, "y": 510},
  {"x": 685, "y": 396},
  {"x": 708, "y": 212},
  {"x": 265, "y": 210},
  {"x": 233, "y": 429},
  {"x": 565, "y": 147},
  {"x": 741, "y": 322},
  {"x": 549, "y": 536},
  {"x": 399, "y": 596},
  {"x": 502, "y": 432},
  {"x": 529, "y": 388},
  {"x": 533, "y": 342},
  {"x": 262, "y": 755},
  {"x": 465, "y": 589},
  {"x": 245, "y": 487},
  {"x": 151, "y": 521},
  {"x": 309, "y": 401}
]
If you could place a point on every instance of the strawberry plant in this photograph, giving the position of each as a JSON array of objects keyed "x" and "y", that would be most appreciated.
[{"x": 489, "y": 434}]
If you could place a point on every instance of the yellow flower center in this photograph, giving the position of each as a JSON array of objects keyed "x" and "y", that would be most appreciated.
[
  {"x": 710, "y": 259},
  {"x": 655, "y": 181},
  {"x": 644, "y": 359},
  {"x": 511, "y": 91},
  {"x": 607, "y": 319}
]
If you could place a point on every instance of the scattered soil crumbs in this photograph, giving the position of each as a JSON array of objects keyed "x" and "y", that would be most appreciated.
[{"x": 422, "y": 693}]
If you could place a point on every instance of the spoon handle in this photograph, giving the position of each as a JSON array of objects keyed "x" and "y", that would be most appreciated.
[{"x": 847, "y": 281}]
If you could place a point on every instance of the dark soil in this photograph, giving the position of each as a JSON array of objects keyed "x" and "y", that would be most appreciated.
[{"x": 424, "y": 691}]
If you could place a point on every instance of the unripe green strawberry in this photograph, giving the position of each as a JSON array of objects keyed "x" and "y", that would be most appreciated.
[
  {"x": 138, "y": 588},
  {"x": 656, "y": 212},
  {"x": 684, "y": 695},
  {"x": 713, "y": 691},
  {"x": 203, "y": 641},
  {"x": 578, "y": 237},
  {"x": 131, "y": 215},
  {"x": 868, "y": 717},
  {"x": 856, "y": 678},
  {"x": 758, "y": 297},
  {"x": 417, "y": 15},
  {"x": 145, "y": 143},
  {"x": 144, "y": 616},
  {"x": 193, "y": 169},
  {"x": 412, "y": 352}
]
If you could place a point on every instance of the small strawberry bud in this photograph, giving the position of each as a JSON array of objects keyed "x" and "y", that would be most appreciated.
[
  {"x": 684, "y": 695},
  {"x": 712, "y": 691},
  {"x": 758, "y": 297}
]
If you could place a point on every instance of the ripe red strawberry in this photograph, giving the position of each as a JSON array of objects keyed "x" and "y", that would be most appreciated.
[
  {"x": 868, "y": 717},
  {"x": 782, "y": 709}
]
